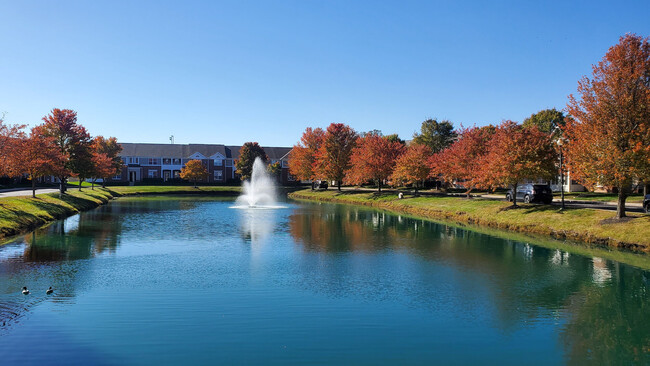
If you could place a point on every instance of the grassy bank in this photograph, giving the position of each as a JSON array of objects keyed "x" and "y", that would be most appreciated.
[
  {"x": 585, "y": 225},
  {"x": 22, "y": 214}
]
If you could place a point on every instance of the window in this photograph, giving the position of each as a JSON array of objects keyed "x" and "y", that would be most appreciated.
[
  {"x": 133, "y": 160},
  {"x": 218, "y": 175},
  {"x": 117, "y": 177},
  {"x": 176, "y": 161},
  {"x": 218, "y": 162},
  {"x": 154, "y": 161},
  {"x": 228, "y": 162},
  {"x": 290, "y": 178},
  {"x": 285, "y": 163},
  {"x": 153, "y": 174},
  {"x": 167, "y": 161},
  {"x": 177, "y": 174}
]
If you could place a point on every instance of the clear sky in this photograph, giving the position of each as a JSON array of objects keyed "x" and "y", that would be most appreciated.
[{"x": 236, "y": 71}]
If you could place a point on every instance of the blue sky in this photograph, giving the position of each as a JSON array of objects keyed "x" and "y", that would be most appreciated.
[{"x": 237, "y": 71}]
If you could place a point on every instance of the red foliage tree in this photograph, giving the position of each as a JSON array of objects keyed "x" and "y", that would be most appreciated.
[
  {"x": 609, "y": 132},
  {"x": 193, "y": 171},
  {"x": 373, "y": 158},
  {"x": 516, "y": 153},
  {"x": 303, "y": 155},
  {"x": 72, "y": 140},
  {"x": 333, "y": 157},
  {"x": 413, "y": 167},
  {"x": 39, "y": 156},
  {"x": 462, "y": 161}
]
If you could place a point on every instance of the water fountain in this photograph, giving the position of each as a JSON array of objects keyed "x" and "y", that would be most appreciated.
[{"x": 259, "y": 192}]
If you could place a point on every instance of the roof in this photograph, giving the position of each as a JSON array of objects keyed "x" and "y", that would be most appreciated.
[{"x": 186, "y": 150}]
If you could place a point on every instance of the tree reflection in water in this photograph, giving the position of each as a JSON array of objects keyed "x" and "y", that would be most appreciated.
[{"x": 603, "y": 305}]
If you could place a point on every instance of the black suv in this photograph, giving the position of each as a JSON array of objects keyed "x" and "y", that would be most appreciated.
[
  {"x": 532, "y": 193},
  {"x": 646, "y": 203}
]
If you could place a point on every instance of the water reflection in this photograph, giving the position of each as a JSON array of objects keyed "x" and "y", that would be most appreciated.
[{"x": 604, "y": 304}]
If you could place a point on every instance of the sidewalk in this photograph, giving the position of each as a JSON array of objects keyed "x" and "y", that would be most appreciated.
[{"x": 17, "y": 192}]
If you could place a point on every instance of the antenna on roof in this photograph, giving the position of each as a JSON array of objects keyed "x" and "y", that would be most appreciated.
[{"x": 171, "y": 138}]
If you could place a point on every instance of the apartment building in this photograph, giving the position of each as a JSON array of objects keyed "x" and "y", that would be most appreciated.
[{"x": 163, "y": 162}]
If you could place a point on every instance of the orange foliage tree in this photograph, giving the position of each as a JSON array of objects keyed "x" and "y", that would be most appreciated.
[
  {"x": 373, "y": 158},
  {"x": 412, "y": 167},
  {"x": 609, "y": 132},
  {"x": 102, "y": 167},
  {"x": 111, "y": 148},
  {"x": 39, "y": 156},
  {"x": 10, "y": 141},
  {"x": 193, "y": 171},
  {"x": 516, "y": 153},
  {"x": 302, "y": 157},
  {"x": 463, "y": 160},
  {"x": 333, "y": 156}
]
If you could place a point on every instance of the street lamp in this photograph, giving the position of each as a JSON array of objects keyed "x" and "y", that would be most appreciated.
[{"x": 559, "y": 144}]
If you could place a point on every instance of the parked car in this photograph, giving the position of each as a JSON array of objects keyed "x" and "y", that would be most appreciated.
[
  {"x": 319, "y": 184},
  {"x": 532, "y": 193},
  {"x": 646, "y": 203}
]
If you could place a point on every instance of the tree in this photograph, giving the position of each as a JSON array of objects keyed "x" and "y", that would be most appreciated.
[
  {"x": 193, "y": 171},
  {"x": 463, "y": 160},
  {"x": 10, "y": 137},
  {"x": 609, "y": 132},
  {"x": 333, "y": 157},
  {"x": 373, "y": 158},
  {"x": 39, "y": 156},
  {"x": 111, "y": 149},
  {"x": 550, "y": 121},
  {"x": 413, "y": 166},
  {"x": 81, "y": 162},
  {"x": 71, "y": 139},
  {"x": 516, "y": 153},
  {"x": 247, "y": 154},
  {"x": 274, "y": 169},
  {"x": 103, "y": 167},
  {"x": 302, "y": 157},
  {"x": 436, "y": 135}
]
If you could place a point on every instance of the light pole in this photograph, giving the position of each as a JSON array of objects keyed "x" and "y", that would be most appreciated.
[{"x": 559, "y": 144}]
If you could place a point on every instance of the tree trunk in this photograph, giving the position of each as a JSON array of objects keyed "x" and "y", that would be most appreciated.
[
  {"x": 80, "y": 181},
  {"x": 92, "y": 184},
  {"x": 379, "y": 185},
  {"x": 338, "y": 184},
  {"x": 620, "y": 208},
  {"x": 415, "y": 185},
  {"x": 103, "y": 182},
  {"x": 514, "y": 195},
  {"x": 33, "y": 188},
  {"x": 61, "y": 186}
]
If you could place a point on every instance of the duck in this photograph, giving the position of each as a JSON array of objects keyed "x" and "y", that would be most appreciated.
[
  {"x": 25, "y": 291},
  {"x": 49, "y": 290}
]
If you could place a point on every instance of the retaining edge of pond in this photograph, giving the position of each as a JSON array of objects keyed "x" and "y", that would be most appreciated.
[
  {"x": 458, "y": 216},
  {"x": 22, "y": 214}
]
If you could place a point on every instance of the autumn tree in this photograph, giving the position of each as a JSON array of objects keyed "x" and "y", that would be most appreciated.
[
  {"x": 333, "y": 157},
  {"x": 72, "y": 141},
  {"x": 10, "y": 137},
  {"x": 516, "y": 153},
  {"x": 247, "y": 154},
  {"x": 373, "y": 158},
  {"x": 412, "y": 167},
  {"x": 39, "y": 156},
  {"x": 111, "y": 148},
  {"x": 81, "y": 163},
  {"x": 103, "y": 167},
  {"x": 436, "y": 135},
  {"x": 463, "y": 160},
  {"x": 193, "y": 171},
  {"x": 550, "y": 121},
  {"x": 609, "y": 132},
  {"x": 302, "y": 157}
]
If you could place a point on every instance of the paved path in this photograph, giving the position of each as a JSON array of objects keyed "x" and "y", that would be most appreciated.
[{"x": 25, "y": 192}]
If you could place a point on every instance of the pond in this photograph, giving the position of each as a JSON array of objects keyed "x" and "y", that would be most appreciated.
[{"x": 187, "y": 280}]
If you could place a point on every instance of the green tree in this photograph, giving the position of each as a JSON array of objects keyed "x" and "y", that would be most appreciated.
[
  {"x": 247, "y": 154},
  {"x": 547, "y": 121},
  {"x": 274, "y": 169},
  {"x": 436, "y": 135}
]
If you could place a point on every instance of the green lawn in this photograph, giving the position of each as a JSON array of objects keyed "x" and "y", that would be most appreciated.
[{"x": 587, "y": 225}]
